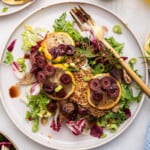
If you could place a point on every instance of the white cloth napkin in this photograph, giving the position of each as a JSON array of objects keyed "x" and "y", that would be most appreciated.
[{"x": 147, "y": 142}]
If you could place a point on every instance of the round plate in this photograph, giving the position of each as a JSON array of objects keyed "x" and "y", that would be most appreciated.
[
  {"x": 16, "y": 110},
  {"x": 13, "y": 9}
]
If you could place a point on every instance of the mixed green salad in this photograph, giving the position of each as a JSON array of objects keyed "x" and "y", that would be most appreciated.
[{"x": 66, "y": 54}]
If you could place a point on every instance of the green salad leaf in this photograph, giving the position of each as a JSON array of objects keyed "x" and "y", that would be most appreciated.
[
  {"x": 62, "y": 25},
  {"x": 127, "y": 94},
  {"x": 9, "y": 58},
  {"x": 31, "y": 36},
  {"x": 37, "y": 104},
  {"x": 116, "y": 45}
]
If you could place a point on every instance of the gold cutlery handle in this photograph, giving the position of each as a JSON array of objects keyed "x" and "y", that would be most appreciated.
[{"x": 132, "y": 74}]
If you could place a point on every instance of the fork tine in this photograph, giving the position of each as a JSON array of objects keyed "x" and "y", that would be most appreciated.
[
  {"x": 79, "y": 15},
  {"x": 77, "y": 20},
  {"x": 86, "y": 15}
]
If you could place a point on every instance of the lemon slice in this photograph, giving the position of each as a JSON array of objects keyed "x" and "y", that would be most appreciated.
[
  {"x": 147, "y": 47},
  {"x": 106, "y": 102},
  {"x": 54, "y": 39},
  {"x": 56, "y": 79}
]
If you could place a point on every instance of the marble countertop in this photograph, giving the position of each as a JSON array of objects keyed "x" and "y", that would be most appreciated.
[{"x": 136, "y": 14}]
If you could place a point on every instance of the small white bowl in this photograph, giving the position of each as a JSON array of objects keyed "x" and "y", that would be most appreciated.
[{"x": 13, "y": 144}]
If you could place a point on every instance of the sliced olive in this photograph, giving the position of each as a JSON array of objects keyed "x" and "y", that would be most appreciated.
[
  {"x": 41, "y": 61},
  {"x": 68, "y": 108},
  {"x": 97, "y": 96},
  {"x": 54, "y": 52},
  {"x": 41, "y": 77},
  {"x": 65, "y": 78},
  {"x": 52, "y": 106},
  {"x": 33, "y": 57},
  {"x": 49, "y": 70},
  {"x": 106, "y": 83},
  {"x": 113, "y": 91},
  {"x": 61, "y": 94},
  {"x": 82, "y": 111},
  {"x": 70, "y": 50},
  {"x": 49, "y": 87},
  {"x": 34, "y": 68},
  {"x": 62, "y": 49},
  {"x": 95, "y": 85}
]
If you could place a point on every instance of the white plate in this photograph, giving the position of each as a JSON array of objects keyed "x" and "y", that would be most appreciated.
[
  {"x": 16, "y": 110},
  {"x": 13, "y": 9}
]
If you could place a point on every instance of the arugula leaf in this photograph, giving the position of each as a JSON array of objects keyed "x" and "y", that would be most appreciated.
[
  {"x": 9, "y": 58},
  {"x": 85, "y": 52},
  {"x": 127, "y": 94},
  {"x": 116, "y": 45},
  {"x": 62, "y": 25}
]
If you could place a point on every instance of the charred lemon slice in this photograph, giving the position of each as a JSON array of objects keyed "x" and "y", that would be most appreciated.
[
  {"x": 103, "y": 92},
  {"x": 54, "y": 45},
  {"x": 59, "y": 85}
]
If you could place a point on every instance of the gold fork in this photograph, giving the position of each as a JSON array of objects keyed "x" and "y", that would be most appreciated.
[{"x": 82, "y": 18}]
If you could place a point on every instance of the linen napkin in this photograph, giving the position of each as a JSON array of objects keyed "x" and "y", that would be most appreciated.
[{"x": 147, "y": 142}]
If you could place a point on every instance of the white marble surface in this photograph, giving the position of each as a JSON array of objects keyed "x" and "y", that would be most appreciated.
[{"x": 136, "y": 15}]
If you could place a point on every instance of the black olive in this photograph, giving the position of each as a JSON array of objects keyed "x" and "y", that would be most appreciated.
[
  {"x": 61, "y": 94},
  {"x": 113, "y": 91},
  {"x": 54, "y": 52},
  {"x": 62, "y": 49},
  {"x": 65, "y": 78},
  {"x": 41, "y": 77},
  {"x": 52, "y": 106},
  {"x": 106, "y": 83},
  {"x": 95, "y": 85},
  {"x": 70, "y": 50},
  {"x": 82, "y": 111},
  {"x": 97, "y": 96},
  {"x": 49, "y": 70},
  {"x": 49, "y": 87}
]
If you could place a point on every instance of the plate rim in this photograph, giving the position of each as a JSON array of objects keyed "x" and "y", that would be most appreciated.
[
  {"x": 18, "y": 10},
  {"x": 94, "y": 4}
]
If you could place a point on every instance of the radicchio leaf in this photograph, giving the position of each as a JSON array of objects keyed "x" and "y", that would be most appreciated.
[{"x": 11, "y": 46}]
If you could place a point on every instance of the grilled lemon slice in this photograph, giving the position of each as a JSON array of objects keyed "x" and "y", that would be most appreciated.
[
  {"x": 103, "y": 92},
  {"x": 60, "y": 85},
  {"x": 54, "y": 39}
]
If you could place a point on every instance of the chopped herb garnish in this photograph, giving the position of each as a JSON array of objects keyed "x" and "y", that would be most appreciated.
[
  {"x": 58, "y": 88},
  {"x": 4, "y": 9},
  {"x": 117, "y": 29}
]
